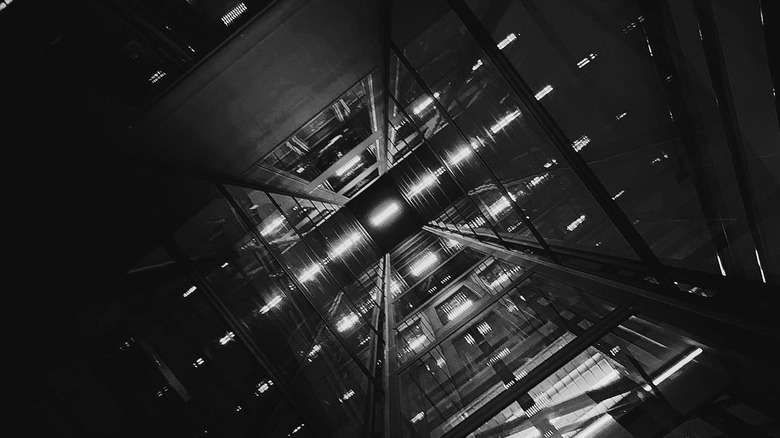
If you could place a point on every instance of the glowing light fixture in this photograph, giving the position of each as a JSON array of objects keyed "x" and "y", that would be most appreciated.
[
  {"x": 543, "y": 92},
  {"x": 424, "y": 263},
  {"x": 347, "y": 395},
  {"x": 310, "y": 273},
  {"x": 342, "y": 247},
  {"x": 273, "y": 302},
  {"x": 618, "y": 194},
  {"x": 576, "y": 223},
  {"x": 581, "y": 143},
  {"x": 460, "y": 155},
  {"x": 758, "y": 259},
  {"x": 676, "y": 367},
  {"x": 347, "y": 322},
  {"x": 506, "y": 41},
  {"x": 457, "y": 311},
  {"x": 507, "y": 119},
  {"x": 227, "y": 338},
  {"x": 190, "y": 291},
  {"x": 354, "y": 161},
  {"x": 272, "y": 226},
  {"x": 420, "y": 415},
  {"x": 159, "y": 74},
  {"x": 426, "y": 181},
  {"x": 234, "y": 13},
  {"x": 424, "y": 104},
  {"x": 390, "y": 210}
]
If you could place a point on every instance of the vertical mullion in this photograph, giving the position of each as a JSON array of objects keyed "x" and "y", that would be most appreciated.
[
  {"x": 304, "y": 291},
  {"x": 561, "y": 142},
  {"x": 504, "y": 192}
]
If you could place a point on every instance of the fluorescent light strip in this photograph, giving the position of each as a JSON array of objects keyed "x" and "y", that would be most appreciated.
[
  {"x": 543, "y": 92},
  {"x": 347, "y": 322},
  {"x": 424, "y": 104},
  {"x": 576, "y": 223},
  {"x": 506, "y": 41},
  {"x": 427, "y": 181},
  {"x": 581, "y": 143},
  {"x": 456, "y": 312},
  {"x": 310, "y": 273},
  {"x": 758, "y": 259},
  {"x": 417, "y": 342},
  {"x": 234, "y": 13},
  {"x": 618, "y": 194},
  {"x": 423, "y": 263},
  {"x": 190, "y": 291},
  {"x": 344, "y": 245},
  {"x": 460, "y": 155},
  {"x": 501, "y": 124},
  {"x": 665, "y": 375},
  {"x": 385, "y": 214},
  {"x": 273, "y": 302},
  {"x": 354, "y": 161},
  {"x": 272, "y": 226}
]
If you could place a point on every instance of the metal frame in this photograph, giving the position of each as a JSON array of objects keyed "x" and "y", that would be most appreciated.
[
  {"x": 561, "y": 142},
  {"x": 443, "y": 111},
  {"x": 304, "y": 291},
  {"x": 537, "y": 375},
  {"x": 178, "y": 254}
]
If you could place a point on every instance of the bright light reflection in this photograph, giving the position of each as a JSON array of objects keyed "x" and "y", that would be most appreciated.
[
  {"x": 758, "y": 259},
  {"x": 272, "y": 226},
  {"x": 427, "y": 181},
  {"x": 354, "y": 161},
  {"x": 347, "y": 322},
  {"x": 273, "y": 302},
  {"x": 576, "y": 223},
  {"x": 386, "y": 213},
  {"x": 461, "y": 155},
  {"x": 501, "y": 124},
  {"x": 227, "y": 338},
  {"x": 423, "y": 263},
  {"x": 424, "y": 104},
  {"x": 417, "y": 342},
  {"x": 420, "y": 415},
  {"x": 720, "y": 265},
  {"x": 190, "y": 291},
  {"x": 618, "y": 194},
  {"x": 347, "y": 395},
  {"x": 456, "y": 312},
  {"x": 665, "y": 375},
  {"x": 581, "y": 143},
  {"x": 506, "y": 41},
  {"x": 543, "y": 92},
  {"x": 310, "y": 273},
  {"x": 344, "y": 245},
  {"x": 500, "y": 279}
]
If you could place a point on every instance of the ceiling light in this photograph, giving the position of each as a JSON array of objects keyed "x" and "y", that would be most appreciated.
[
  {"x": 390, "y": 210},
  {"x": 423, "y": 263},
  {"x": 501, "y": 124}
]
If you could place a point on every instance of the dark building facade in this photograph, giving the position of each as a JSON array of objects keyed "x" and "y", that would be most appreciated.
[{"x": 335, "y": 218}]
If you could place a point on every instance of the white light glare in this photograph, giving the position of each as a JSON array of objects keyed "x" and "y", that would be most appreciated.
[
  {"x": 501, "y": 124},
  {"x": 264, "y": 386},
  {"x": 618, "y": 194},
  {"x": 342, "y": 247},
  {"x": 500, "y": 279},
  {"x": 420, "y": 415},
  {"x": 576, "y": 223},
  {"x": 758, "y": 259},
  {"x": 461, "y": 155},
  {"x": 456, "y": 312},
  {"x": 354, "y": 161},
  {"x": 227, "y": 338},
  {"x": 297, "y": 428},
  {"x": 347, "y": 322},
  {"x": 233, "y": 14},
  {"x": 159, "y": 74},
  {"x": 272, "y": 226},
  {"x": 417, "y": 342},
  {"x": 310, "y": 273},
  {"x": 385, "y": 214},
  {"x": 500, "y": 206},
  {"x": 423, "y": 263},
  {"x": 424, "y": 104},
  {"x": 347, "y": 395},
  {"x": 225, "y": 265},
  {"x": 427, "y": 181},
  {"x": 720, "y": 265},
  {"x": 586, "y": 60},
  {"x": 477, "y": 65},
  {"x": 273, "y": 302},
  {"x": 506, "y": 41},
  {"x": 190, "y": 291},
  {"x": 543, "y": 92},
  {"x": 665, "y": 375},
  {"x": 581, "y": 143}
]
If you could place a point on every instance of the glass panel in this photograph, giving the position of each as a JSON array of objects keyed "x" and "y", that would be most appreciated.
[
  {"x": 642, "y": 108},
  {"x": 498, "y": 130},
  {"x": 640, "y": 380},
  {"x": 493, "y": 351}
]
